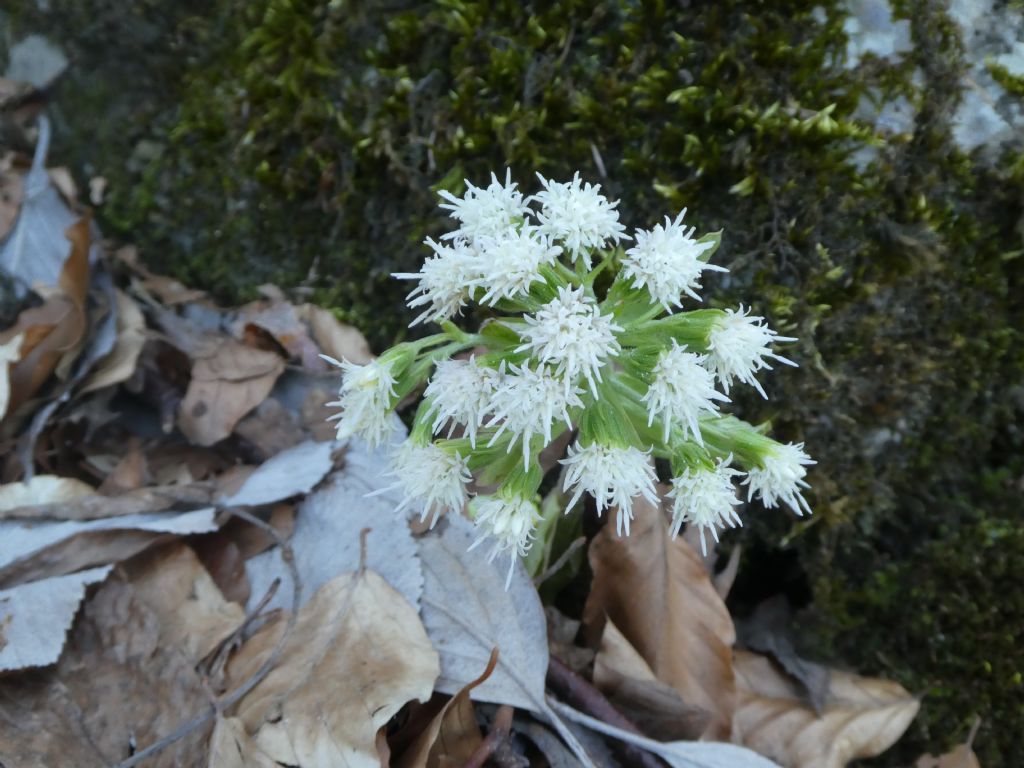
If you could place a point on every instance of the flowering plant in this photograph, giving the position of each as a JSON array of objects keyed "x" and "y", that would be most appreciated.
[{"x": 586, "y": 334}]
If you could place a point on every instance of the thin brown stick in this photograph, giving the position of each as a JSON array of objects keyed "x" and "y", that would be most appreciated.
[
  {"x": 582, "y": 695},
  {"x": 232, "y": 698},
  {"x": 500, "y": 727}
]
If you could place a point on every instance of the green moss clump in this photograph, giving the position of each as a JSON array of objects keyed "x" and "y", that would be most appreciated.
[
  {"x": 948, "y": 603},
  {"x": 302, "y": 141}
]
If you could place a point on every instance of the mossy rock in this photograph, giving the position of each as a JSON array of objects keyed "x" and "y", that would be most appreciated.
[{"x": 302, "y": 142}]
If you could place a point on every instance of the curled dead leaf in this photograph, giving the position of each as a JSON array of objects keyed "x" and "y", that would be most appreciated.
[
  {"x": 622, "y": 675},
  {"x": 862, "y": 716},
  {"x": 680, "y": 627},
  {"x": 357, "y": 654},
  {"x": 229, "y": 379}
]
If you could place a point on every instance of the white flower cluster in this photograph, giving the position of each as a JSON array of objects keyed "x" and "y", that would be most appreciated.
[{"x": 583, "y": 334}]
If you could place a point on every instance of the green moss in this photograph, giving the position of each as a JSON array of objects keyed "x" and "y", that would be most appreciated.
[{"x": 302, "y": 142}]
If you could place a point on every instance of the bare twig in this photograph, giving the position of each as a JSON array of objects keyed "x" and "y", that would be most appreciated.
[
  {"x": 228, "y": 700},
  {"x": 584, "y": 696},
  {"x": 499, "y": 733}
]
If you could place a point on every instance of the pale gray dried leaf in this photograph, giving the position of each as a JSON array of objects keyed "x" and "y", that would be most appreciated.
[
  {"x": 326, "y": 535},
  {"x": 30, "y": 551},
  {"x": 35, "y": 60},
  {"x": 678, "y": 754},
  {"x": 467, "y": 611},
  {"x": 290, "y": 473},
  {"x": 35, "y": 618},
  {"x": 36, "y": 249}
]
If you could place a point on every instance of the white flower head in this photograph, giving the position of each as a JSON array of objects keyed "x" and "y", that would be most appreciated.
[
  {"x": 461, "y": 392},
  {"x": 578, "y": 215},
  {"x": 739, "y": 345},
  {"x": 781, "y": 478},
  {"x": 613, "y": 476},
  {"x": 681, "y": 391},
  {"x": 666, "y": 261},
  {"x": 431, "y": 479},
  {"x": 510, "y": 521},
  {"x": 571, "y": 333},
  {"x": 706, "y": 499},
  {"x": 444, "y": 281},
  {"x": 487, "y": 211},
  {"x": 365, "y": 399},
  {"x": 510, "y": 261},
  {"x": 529, "y": 402}
]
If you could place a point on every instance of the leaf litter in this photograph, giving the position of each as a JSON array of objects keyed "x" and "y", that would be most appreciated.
[{"x": 192, "y": 571}]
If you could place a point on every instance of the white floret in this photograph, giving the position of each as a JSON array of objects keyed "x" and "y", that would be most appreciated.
[
  {"x": 613, "y": 476},
  {"x": 577, "y": 215},
  {"x": 666, "y": 261},
  {"x": 571, "y": 333}
]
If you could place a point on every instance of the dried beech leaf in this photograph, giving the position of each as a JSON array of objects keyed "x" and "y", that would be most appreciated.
[
  {"x": 232, "y": 747},
  {"x": 862, "y": 716},
  {"x": 35, "y": 618},
  {"x": 117, "y": 688},
  {"x": 228, "y": 381},
  {"x": 627, "y": 680},
  {"x": 193, "y": 613},
  {"x": 290, "y": 473},
  {"x": 357, "y": 654},
  {"x": 335, "y": 339},
  {"x": 96, "y": 506},
  {"x": 681, "y": 627},
  {"x": 43, "y": 489},
  {"x": 452, "y": 733},
  {"x": 119, "y": 364},
  {"x": 10, "y": 352},
  {"x": 281, "y": 320},
  {"x": 961, "y": 757}
]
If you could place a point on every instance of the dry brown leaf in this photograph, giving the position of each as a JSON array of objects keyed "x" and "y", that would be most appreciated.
[
  {"x": 193, "y": 613},
  {"x": 231, "y": 747},
  {"x": 120, "y": 363},
  {"x": 335, "y": 339},
  {"x": 627, "y": 680},
  {"x": 961, "y": 757},
  {"x": 357, "y": 654},
  {"x": 11, "y": 190},
  {"x": 271, "y": 428},
  {"x": 227, "y": 382},
  {"x": 168, "y": 290},
  {"x": 453, "y": 733},
  {"x": 223, "y": 560},
  {"x": 55, "y": 328},
  {"x": 681, "y": 627},
  {"x": 10, "y": 352},
  {"x": 117, "y": 688},
  {"x": 129, "y": 474},
  {"x": 281, "y": 320},
  {"x": 43, "y": 489},
  {"x": 862, "y": 716},
  {"x": 95, "y": 506}
]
